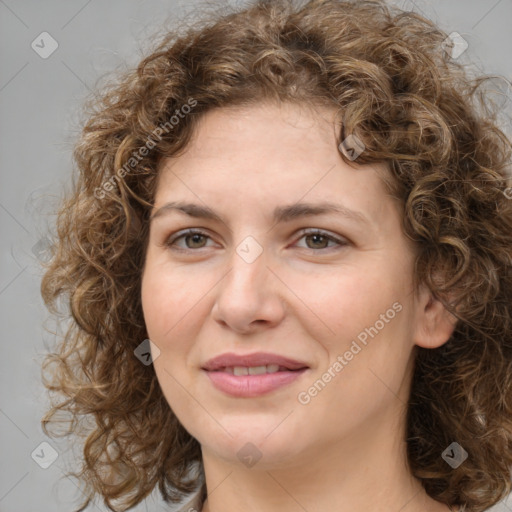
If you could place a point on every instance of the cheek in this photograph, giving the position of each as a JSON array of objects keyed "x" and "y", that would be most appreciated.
[
  {"x": 343, "y": 304},
  {"x": 173, "y": 304},
  {"x": 155, "y": 304},
  {"x": 166, "y": 297},
  {"x": 170, "y": 309}
]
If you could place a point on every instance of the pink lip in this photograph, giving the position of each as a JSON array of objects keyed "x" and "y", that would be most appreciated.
[
  {"x": 252, "y": 385},
  {"x": 256, "y": 359}
]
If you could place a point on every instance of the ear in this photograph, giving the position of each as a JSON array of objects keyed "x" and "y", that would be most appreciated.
[{"x": 434, "y": 323}]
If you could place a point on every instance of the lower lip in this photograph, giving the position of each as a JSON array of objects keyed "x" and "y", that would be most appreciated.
[{"x": 252, "y": 385}]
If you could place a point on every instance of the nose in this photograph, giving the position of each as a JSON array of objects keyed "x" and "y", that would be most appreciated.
[{"x": 249, "y": 296}]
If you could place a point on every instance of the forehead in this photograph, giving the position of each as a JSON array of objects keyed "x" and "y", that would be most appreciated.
[{"x": 270, "y": 153}]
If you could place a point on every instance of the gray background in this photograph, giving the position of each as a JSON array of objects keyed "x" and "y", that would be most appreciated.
[{"x": 40, "y": 113}]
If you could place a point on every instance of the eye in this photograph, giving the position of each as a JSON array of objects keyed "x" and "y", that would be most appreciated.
[
  {"x": 194, "y": 237},
  {"x": 319, "y": 239}
]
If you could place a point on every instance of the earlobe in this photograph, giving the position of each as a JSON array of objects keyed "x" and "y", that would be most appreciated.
[{"x": 434, "y": 323}]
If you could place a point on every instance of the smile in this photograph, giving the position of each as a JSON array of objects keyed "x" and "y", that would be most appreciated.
[
  {"x": 247, "y": 382},
  {"x": 252, "y": 370}
]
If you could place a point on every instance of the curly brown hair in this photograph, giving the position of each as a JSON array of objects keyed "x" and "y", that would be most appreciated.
[{"x": 414, "y": 107}]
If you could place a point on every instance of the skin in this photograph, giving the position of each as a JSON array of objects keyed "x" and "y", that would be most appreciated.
[{"x": 305, "y": 298}]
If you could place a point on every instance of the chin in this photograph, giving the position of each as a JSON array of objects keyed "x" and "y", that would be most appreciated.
[{"x": 262, "y": 444}]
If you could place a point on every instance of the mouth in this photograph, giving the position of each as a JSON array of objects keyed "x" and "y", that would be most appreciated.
[
  {"x": 256, "y": 361},
  {"x": 254, "y": 370},
  {"x": 252, "y": 375}
]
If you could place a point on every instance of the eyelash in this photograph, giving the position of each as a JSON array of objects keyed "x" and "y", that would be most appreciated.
[{"x": 191, "y": 232}]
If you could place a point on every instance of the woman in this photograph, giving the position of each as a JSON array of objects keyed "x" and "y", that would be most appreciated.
[{"x": 288, "y": 264}]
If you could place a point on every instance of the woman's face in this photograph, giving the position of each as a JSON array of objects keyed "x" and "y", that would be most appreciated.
[{"x": 309, "y": 311}]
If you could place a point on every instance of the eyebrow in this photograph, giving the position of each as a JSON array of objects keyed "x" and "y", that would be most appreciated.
[{"x": 281, "y": 213}]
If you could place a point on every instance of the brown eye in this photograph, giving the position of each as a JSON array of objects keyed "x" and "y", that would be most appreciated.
[
  {"x": 319, "y": 240},
  {"x": 193, "y": 240},
  {"x": 196, "y": 240}
]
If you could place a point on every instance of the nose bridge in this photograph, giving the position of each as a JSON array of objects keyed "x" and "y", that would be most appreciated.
[
  {"x": 248, "y": 265},
  {"x": 247, "y": 293}
]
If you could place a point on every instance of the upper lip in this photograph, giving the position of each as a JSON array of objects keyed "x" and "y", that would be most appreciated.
[{"x": 230, "y": 360}]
